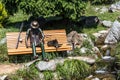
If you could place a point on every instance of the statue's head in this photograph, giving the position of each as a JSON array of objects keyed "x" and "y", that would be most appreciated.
[{"x": 34, "y": 24}]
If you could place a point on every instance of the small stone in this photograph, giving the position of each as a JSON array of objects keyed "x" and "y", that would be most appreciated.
[
  {"x": 43, "y": 65},
  {"x": 95, "y": 79}
]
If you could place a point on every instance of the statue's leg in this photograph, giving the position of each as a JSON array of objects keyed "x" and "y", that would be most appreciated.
[
  {"x": 43, "y": 50},
  {"x": 34, "y": 51}
]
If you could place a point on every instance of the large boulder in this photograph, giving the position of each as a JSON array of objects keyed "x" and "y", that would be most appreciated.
[
  {"x": 114, "y": 34},
  {"x": 75, "y": 39}
]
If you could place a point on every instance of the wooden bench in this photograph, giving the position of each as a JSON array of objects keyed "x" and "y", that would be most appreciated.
[{"x": 60, "y": 35}]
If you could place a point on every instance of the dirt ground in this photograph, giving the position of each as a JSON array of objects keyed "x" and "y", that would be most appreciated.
[{"x": 9, "y": 68}]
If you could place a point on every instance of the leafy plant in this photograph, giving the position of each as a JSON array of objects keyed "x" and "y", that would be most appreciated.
[
  {"x": 3, "y": 14},
  {"x": 66, "y": 8},
  {"x": 73, "y": 70},
  {"x": 87, "y": 44}
]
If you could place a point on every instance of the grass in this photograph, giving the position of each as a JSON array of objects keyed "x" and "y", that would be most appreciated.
[
  {"x": 73, "y": 70},
  {"x": 90, "y": 11},
  {"x": 93, "y": 30},
  {"x": 102, "y": 16},
  {"x": 26, "y": 74}
]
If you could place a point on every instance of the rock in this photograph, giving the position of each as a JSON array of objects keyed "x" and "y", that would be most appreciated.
[
  {"x": 30, "y": 63},
  {"x": 43, "y": 65},
  {"x": 75, "y": 39},
  {"x": 104, "y": 47},
  {"x": 3, "y": 77},
  {"x": 86, "y": 59},
  {"x": 112, "y": 10},
  {"x": 107, "y": 52},
  {"x": 96, "y": 9},
  {"x": 103, "y": 10},
  {"x": 95, "y": 79},
  {"x": 83, "y": 50},
  {"x": 107, "y": 24},
  {"x": 100, "y": 37},
  {"x": 97, "y": 52},
  {"x": 91, "y": 77},
  {"x": 51, "y": 65},
  {"x": 115, "y": 7},
  {"x": 114, "y": 34},
  {"x": 108, "y": 58},
  {"x": 101, "y": 72},
  {"x": 3, "y": 41}
]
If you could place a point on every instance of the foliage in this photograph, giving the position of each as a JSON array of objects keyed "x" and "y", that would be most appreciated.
[
  {"x": 66, "y": 8},
  {"x": 18, "y": 17},
  {"x": 73, "y": 70},
  {"x": 3, "y": 14},
  {"x": 87, "y": 44}
]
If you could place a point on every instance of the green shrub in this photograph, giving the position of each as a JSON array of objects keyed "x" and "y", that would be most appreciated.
[
  {"x": 3, "y": 14},
  {"x": 66, "y": 8}
]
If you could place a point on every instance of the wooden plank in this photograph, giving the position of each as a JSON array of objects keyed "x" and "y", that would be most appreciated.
[
  {"x": 60, "y": 35},
  {"x": 23, "y": 50}
]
